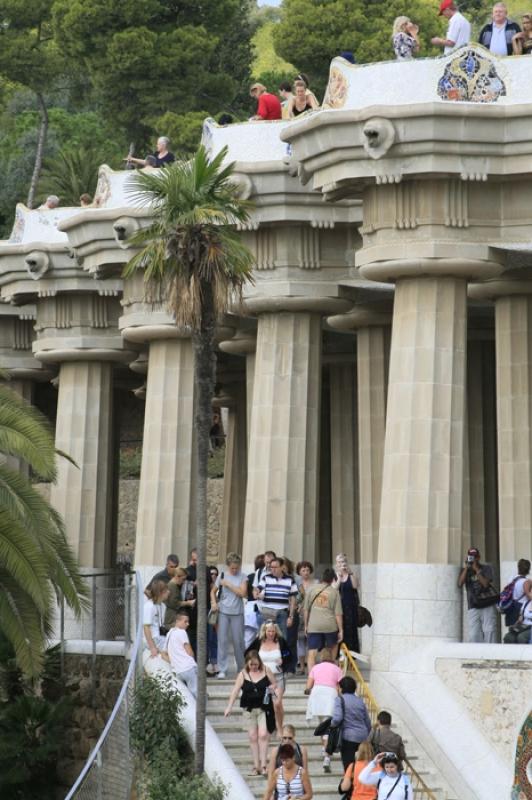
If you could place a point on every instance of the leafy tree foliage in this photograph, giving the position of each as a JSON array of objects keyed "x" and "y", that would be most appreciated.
[
  {"x": 161, "y": 55},
  {"x": 312, "y": 32},
  {"x": 70, "y": 174}
]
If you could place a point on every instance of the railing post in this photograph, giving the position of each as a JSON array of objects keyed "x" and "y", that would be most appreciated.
[
  {"x": 62, "y": 635},
  {"x": 93, "y": 670},
  {"x": 127, "y": 612}
]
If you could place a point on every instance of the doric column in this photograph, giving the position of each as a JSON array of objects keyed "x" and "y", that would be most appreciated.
[
  {"x": 79, "y": 332},
  {"x": 344, "y": 461},
  {"x": 513, "y": 344},
  {"x": 372, "y": 323},
  {"x": 235, "y": 472},
  {"x": 281, "y": 504}
]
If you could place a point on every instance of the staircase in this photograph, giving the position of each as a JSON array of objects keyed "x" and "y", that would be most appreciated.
[{"x": 235, "y": 739}]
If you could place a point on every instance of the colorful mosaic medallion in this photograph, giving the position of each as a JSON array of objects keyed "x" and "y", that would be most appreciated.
[
  {"x": 471, "y": 77},
  {"x": 522, "y": 788}
]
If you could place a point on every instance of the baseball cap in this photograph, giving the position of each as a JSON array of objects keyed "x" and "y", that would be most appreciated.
[{"x": 444, "y": 5}]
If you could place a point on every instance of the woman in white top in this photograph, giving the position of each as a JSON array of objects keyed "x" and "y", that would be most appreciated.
[
  {"x": 271, "y": 655},
  {"x": 391, "y": 782},
  {"x": 153, "y": 620}
]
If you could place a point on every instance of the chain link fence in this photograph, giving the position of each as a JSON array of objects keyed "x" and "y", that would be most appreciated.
[{"x": 117, "y": 609}]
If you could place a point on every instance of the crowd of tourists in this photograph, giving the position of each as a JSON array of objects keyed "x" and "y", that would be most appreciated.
[{"x": 279, "y": 621}]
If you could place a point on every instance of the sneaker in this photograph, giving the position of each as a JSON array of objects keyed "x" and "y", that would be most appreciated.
[
  {"x": 221, "y": 675},
  {"x": 327, "y": 764},
  {"x": 210, "y": 669}
]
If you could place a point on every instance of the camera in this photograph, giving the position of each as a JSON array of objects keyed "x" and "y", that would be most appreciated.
[{"x": 470, "y": 559}]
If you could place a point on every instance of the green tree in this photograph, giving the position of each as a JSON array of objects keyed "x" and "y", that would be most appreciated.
[
  {"x": 29, "y": 57},
  {"x": 193, "y": 257},
  {"x": 162, "y": 55},
  {"x": 71, "y": 173},
  {"x": 312, "y": 32},
  {"x": 36, "y": 561}
]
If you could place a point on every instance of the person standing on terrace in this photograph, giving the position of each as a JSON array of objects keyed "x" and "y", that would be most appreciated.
[
  {"x": 269, "y": 105},
  {"x": 458, "y": 30},
  {"x": 498, "y": 34},
  {"x": 162, "y": 155},
  {"x": 405, "y": 38}
]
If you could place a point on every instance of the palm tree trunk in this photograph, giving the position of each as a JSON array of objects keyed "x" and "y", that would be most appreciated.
[
  {"x": 205, "y": 375},
  {"x": 41, "y": 141}
]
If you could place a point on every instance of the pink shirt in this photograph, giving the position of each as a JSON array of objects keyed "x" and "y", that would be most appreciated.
[{"x": 326, "y": 674}]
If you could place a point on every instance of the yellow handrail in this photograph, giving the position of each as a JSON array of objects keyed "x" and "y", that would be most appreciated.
[{"x": 418, "y": 784}]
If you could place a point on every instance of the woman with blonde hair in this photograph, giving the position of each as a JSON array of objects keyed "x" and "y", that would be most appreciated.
[
  {"x": 275, "y": 655},
  {"x": 322, "y": 686},
  {"x": 522, "y": 41},
  {"x": 405, "y": 38},
  {"x": 300, "y": 101},
  {"x": 351, "y": 781}
]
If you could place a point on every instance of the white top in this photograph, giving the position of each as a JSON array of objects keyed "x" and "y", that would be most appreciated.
[
  {"x": 386, "y": 783},
  {"x": 518, "y": 593},
  {"x": 270, "y": 659},
  {"x": 154, "y": 616},
  {"x": 458, "y": 31},
  {"x": 526, "y": 611},
  {"x": 180, "y": 660},
  {"x": 498, "y": 40}
]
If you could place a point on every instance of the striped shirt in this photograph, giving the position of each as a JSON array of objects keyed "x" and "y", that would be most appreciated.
[{"x": 277, "y": 591}]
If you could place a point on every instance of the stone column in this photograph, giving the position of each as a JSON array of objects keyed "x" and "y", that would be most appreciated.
[
  {"x": 372, "y": 323},
  {"x": 83, "y": 492},
  {"x": 513, "y": 344},
  {"x": 235, "y": 473},
  {"x": 344, "y": 484},
  {"x": 281, "y": 503},
  {"x": 166, "y": 511},
  {"x": 421, "y": 508}
]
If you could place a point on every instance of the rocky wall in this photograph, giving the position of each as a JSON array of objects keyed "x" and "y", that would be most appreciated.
[
  {"x": 496, "y": 694},
  {"x": 87, "y": 721}
]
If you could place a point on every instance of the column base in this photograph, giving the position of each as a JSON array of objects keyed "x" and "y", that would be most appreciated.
[{"x": 415, "y": 604}]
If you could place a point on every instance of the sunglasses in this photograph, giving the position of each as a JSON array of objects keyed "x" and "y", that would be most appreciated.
[{"x": 290, "y": 738}]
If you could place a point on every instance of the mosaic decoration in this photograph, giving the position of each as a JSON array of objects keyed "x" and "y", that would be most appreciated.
[
  {"x": 472, "y": 78},
  {"x": 18, "y": 228},
  {"x": 522, "y": 788},
  {"x": 103, "y": 187},
  {"x": 336, "y": 93}
]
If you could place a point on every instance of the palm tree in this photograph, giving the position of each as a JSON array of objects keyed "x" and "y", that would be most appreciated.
[
  {"x": 36, "y": 562},
  {"x": 194, "y": 261},
  {"x": 69, "y": 174}
]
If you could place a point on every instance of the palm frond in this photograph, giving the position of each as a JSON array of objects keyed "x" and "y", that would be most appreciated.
[
  {"x": 21, "y": 624},
  {"x": 25, "y": 433}
]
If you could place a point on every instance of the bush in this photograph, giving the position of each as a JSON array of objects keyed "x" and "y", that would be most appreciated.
[
  {"x": 130, "y": 461},
  {"x": 164, "y": 759}
]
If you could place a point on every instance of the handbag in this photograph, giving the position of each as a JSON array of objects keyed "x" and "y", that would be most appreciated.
[
  {"x": 334, "y": 742},
  {"x": 364, "y": 617},
  {"x": 484, "y": 598},
  {"x": 212, "y": 617},
  {"x": 323, "y": 728}
]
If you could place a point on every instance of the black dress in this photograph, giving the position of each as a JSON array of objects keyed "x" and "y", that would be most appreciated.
[{"x": 349, "y": 596}]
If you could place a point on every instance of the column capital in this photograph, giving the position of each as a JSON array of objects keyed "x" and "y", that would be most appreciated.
[
  {"x": 312, "y": 305},
  {"x": 511, "y": 282},
  {"x": 242, "y": 343},
  {"x": 426, "y": 266},
  {"x": 363, "y": 316}
]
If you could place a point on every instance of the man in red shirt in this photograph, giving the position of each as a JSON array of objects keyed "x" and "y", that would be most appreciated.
[{"x": 269, "y": 105}]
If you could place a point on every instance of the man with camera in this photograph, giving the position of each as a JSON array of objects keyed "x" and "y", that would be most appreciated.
[{"x": 481, "y": 598}]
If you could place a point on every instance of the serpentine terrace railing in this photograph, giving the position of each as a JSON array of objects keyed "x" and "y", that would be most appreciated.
[
  {"x": 108, "y": 771},
  {"x": 420, "y": 788}
]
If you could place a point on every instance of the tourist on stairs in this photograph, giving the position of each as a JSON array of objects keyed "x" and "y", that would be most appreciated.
[{"x": 289, "y": 781}]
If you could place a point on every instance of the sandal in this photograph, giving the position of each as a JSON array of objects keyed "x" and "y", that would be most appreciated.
[
  {"x": 254, "y": 772},
  {"x": 264, "y": 772}
]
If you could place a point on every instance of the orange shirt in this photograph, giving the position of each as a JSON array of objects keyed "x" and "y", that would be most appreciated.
[{"x": 360, "y": 790}]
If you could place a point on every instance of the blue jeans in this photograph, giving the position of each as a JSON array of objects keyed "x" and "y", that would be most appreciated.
[{"x": 212, "y": 645}]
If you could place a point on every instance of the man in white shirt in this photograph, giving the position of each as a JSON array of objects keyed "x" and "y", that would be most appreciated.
[
  {"x": 179, "y": 653},
  {"x": 497, "y": 35},
  {"x": 458, "y": 30}
]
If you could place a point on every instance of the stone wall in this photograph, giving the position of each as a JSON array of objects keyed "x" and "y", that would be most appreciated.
[
  {"x": 87, "y": 721},
  {"x": 128, "y": 496},
  {"x": 496, "y": 694}
]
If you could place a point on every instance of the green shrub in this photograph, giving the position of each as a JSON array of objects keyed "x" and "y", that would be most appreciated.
[{"x": 130, "y": 461}]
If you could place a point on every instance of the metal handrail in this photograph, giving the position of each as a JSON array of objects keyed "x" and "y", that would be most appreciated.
[
  {"x": 95, "y": 754},
  {"x": 418, "y": 784}
]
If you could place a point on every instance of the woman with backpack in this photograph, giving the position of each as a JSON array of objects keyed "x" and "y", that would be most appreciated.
[{"x": 391, "y": 782}]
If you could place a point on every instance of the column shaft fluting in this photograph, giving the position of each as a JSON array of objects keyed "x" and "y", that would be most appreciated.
[
  {"x": 281, "y": 503},
  {"x": 344, "y": 462},
  {"x": 235, "y": 475},
  {"x": 166, "y": 493},
  {"x": 83, "y": 492}
]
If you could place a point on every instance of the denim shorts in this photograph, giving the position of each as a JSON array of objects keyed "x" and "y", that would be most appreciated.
[{"x": 317, "y": 641}]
